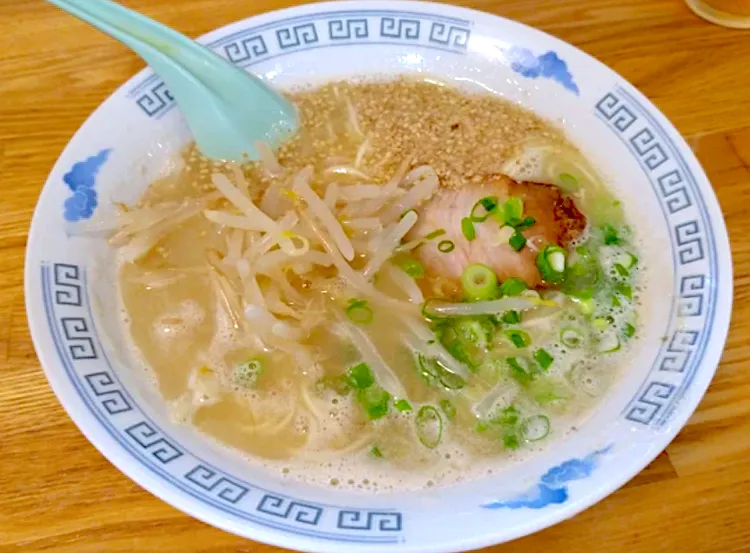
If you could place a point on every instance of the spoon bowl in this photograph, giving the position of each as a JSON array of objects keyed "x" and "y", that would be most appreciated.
[{"x": 227, "y": 109}]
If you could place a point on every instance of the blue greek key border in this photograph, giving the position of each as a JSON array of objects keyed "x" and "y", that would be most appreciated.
[
  {"x": 71, "y": 324},
  {"x": 695, "y": 264},
  {"x": 261, "y": 43}
]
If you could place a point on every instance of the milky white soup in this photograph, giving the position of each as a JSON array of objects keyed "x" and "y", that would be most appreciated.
[{"x": 416, "y": 288}]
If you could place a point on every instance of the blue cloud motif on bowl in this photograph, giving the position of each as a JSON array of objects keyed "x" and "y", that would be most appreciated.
[
  {"x": 551, "y": 488},
  {"x": 548, "y": 66},
  {"x": 81, "y": 180}
]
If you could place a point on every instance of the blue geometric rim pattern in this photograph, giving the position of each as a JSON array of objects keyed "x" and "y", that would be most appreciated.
[
  {"x": 73, "y": 331},
  {"x": 695, "y": 263},
  {"x": 321, "y": 30}
]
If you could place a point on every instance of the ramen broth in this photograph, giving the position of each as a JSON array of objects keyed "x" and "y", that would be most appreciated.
[{"x": 348, "y": 311}]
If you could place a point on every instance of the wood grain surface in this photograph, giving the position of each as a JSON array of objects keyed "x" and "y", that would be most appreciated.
[{"x": 57, "y": 493}]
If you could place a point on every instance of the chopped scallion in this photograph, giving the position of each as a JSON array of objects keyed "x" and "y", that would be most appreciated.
[
  {"x": 402, "y": 405},
  {"x": 448, "y": 409},
  {"x": 624, "y": 289},
  {"x": 434, "y": 234},
  {"x": 429, "y": 426},
  {"x": 412, "y": 267},
  {"x": 622, "y": 271},
  {"x": 512, "y": 286},
  {"x": 571, "y": 337},
  {"x": 360, "y": 376},
  {"x": 628, "y": 330},
  {"x": 513, "y": 210},
  {"x": 519, "y": 370},
  {"x": 551, "y": 263},
  {"x": 483, "y": 208},
  {"x": 467, "y": 227},
  {"x": 510, "y": 441},
  {"x": 610, "y": 235},
  {"x": 359, "y": 311},
  {"x": 519, "y": 338},
  {"x": 479, "y": 282},
  {"x": 568, "y": 182},
  {"x": 446, "y": 246},
  {"x": 535, "y": 428},
  {"x": 526, "y": 223},
  {"x": 507, "y": 417},
  {"x": 609, "y": 343},
  {"x": 543, "y": 357},
  {"x": 376, "y": 452},
  {"x": 511, "y": 317},
  {"x": 517, "y": 241},
  {"x": 375, "y": 401}
]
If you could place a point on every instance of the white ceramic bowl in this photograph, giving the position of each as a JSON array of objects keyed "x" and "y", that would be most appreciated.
[{"x": 133, "y": 137}]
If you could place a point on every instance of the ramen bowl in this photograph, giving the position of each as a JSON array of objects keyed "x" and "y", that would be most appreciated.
[{"x": 136, "y": 135}]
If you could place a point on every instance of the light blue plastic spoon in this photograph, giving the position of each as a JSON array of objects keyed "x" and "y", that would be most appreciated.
[{"x": 227, "y": 109}]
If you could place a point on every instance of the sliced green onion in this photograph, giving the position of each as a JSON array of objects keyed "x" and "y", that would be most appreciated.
[
  {"x": 624, "y": 289},
  {"x": 571, "y": 337},
  {"x": 448, "y": 409},
  {"x": 601, "y": 323},
  {"x": 621, "y": 270},
  {"x": 429, "y": 426},
  {"x": 510, "y": 441},
  {"x": 526, "y": 223},
  {"x": 446, "y": 246},
  {"x": 519, "y": 338},
  {"x": 402, "y": 405},
  {"x": 610, "y": 235},
  {"x": 431, "y": 369},
  {"x": 517, "y": 241},
  {"x": 519, "y": 370},
  {"x": 508, "y": 416},
  {"x": 586, "y": 306},
  {"x": 568, "y": 182},
  {"x": 359, "y": 312},
  {"x": 246, "y": 373},
  {"x": 449, "y": 380},
  {"x": 360, "y": 376},
  {"x": 481, "y": 426},
  {"x": 412, "y": 267},
  {"x": 543, "y": 357},
  {"x": 483, "y": 208},
  {"x": 375, "y": 401},
  {"x": 512, "y": 286},
  {"x": 467, "y": 227},
  {"x": 434, "y": 234},
  {"x": 551, "y": 263},
  {"x": 427, "y": 367},
  {"x": 615, "y": 302},
  {"x": 535, "y": 428},
  {"x": 511, "y": 317},
  {"x": 627, "y": 260},
  {"x": 582, "y": 275},
  {"x": 376, "y": 452},
  {"x": 609, "y": 343},
  {"x": 479, "y": 282},
  {"x": 336, "y": 383},
  {"x": 513, "y": 210},
  {"x": 628, "y": 330}
]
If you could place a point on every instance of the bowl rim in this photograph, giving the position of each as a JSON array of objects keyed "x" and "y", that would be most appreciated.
[{"x": 155, "y": 485}]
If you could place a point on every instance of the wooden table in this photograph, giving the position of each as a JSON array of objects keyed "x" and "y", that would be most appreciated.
[{"x": 57, "y": 493}]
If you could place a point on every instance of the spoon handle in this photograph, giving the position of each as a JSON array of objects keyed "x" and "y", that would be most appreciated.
[{"x": 228, "y": 109}]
